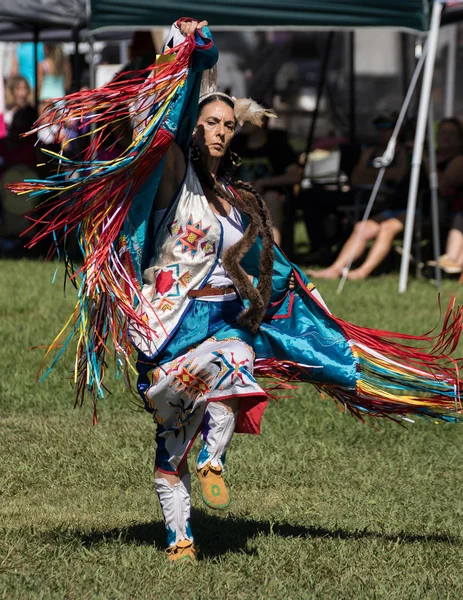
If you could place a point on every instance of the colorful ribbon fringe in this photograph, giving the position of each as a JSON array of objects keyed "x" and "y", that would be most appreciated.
[
  {"x": 397, "y": 374},
  {"x": 92, "y": 198}
]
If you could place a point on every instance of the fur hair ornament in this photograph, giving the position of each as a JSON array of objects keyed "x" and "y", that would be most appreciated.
[{"x": 246, "y": 109}]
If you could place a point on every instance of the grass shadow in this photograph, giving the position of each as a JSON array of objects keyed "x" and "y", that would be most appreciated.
[{"x": 217, "y": 535}]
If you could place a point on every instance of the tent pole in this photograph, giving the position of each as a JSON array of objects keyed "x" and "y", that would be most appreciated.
[
  {"x": 76, "y": 75},
  {"x": 92, "y": 62},
  {"x": 405, "y": 62},
  {"x": 419, "y": 141},
  {"x": 321, "y": 85},
  {"x": 36, "y": 67},
  {"x": 433, "y": 184},
  {"x": 450, "y": 72},
  {"x": 352, "y": 102}
]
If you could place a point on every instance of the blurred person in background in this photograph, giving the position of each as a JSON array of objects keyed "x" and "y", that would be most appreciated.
[
  {"x": 23, "y": 62},
  {"x": 391, "y": 207},
  {"x": 18, "y": 95},
  {"x": 142, "y": 52},
  {"x": 18, "y": 159},
  {"x": 449, "y": 162},
  {"x": 3, "y": 129},
  {"x": 15, "y": 149},
  {"x": 54, "y": 74},
  {"x": 270, "y": 164}
]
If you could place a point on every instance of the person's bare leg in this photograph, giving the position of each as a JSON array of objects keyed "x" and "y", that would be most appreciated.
[
  {"x": 454, "y": 245},
  {"x": 354, "y": 244},
  {"x": 388, "y": 230}
]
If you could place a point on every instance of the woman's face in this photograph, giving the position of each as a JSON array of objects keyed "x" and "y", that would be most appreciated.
[
  {"x": 20, "y": 92},
  {"x": 448, "y": 137},
  {"x": 214, "y": 129}
]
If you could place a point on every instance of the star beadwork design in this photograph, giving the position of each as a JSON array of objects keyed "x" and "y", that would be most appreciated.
[
  {"x": 192, "y": 380},
  {"x": 235, "y": 369},
  {"x": 192, "y": 236}
]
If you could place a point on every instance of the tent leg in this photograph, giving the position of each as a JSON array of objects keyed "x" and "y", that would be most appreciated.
[
  {"x": 433, "y": 184},
  {"x": 36, "y": 67},
  {"x": 92, "y": 63},
  {"x": 405, "y": 62},
  {"x": 449, "y": 105},
  {"x": 352, "y": 98},
  {"x": 419, "y": 141},
  {"x": 76, "y": 75}
]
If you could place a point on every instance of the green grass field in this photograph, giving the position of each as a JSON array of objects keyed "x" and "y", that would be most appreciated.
[{"x": 322, "y": 506}]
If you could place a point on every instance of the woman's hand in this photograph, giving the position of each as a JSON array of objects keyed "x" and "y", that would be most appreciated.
[
  {"x": 189, "y": 27},
  {"x": 292, "y": 282}
]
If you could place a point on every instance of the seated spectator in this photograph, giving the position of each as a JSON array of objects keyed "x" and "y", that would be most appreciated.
[
  {"x": 14, "y": 149},
  {"x": 449, "y": 159},
  {"x": 269, "y": 163},
  {"x": 391, "y": 206},
  {"x": 18, "y": 95},
  {"x": 18, "y": 159}
]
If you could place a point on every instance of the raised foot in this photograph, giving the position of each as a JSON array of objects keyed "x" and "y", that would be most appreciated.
[{"x": 213, "y": 489}]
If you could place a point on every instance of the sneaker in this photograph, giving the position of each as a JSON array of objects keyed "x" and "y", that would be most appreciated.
[
  {"x": 183, "y": 550},
  {"x": 213, "y": 489}
]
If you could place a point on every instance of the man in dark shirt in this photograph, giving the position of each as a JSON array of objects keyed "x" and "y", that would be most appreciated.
[{"x": 270, "y": 164}]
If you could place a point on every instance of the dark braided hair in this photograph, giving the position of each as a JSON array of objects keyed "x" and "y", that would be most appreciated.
[{"x": 244, "y": 197}]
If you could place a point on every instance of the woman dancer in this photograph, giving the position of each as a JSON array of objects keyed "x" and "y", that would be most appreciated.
[{"x": 179, "y": 262}]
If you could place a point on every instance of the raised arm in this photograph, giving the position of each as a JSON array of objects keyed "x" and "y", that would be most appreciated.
[{"x": 175, "y": 165}]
